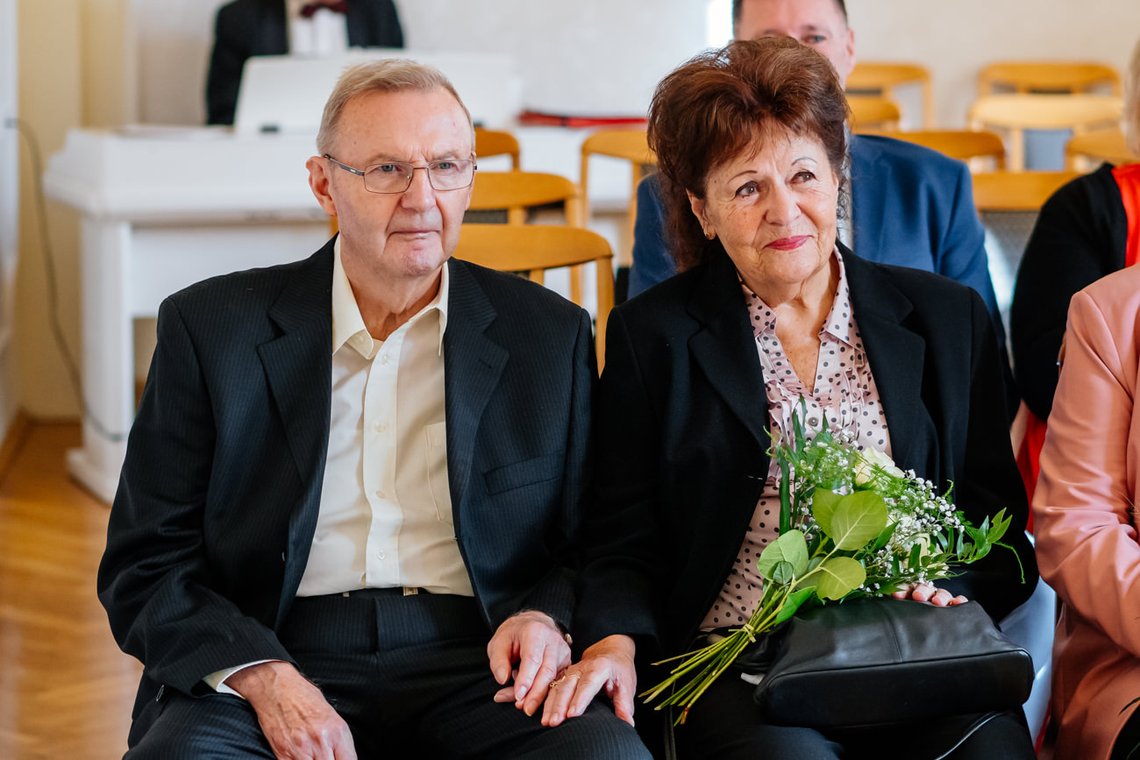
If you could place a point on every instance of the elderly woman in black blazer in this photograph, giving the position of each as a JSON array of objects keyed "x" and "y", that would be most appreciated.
[{"x": 752, "y": 142}]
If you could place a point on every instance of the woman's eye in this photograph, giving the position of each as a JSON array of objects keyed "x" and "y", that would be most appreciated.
[
  {"x": 804, "y": 176},
  {"x": 747, "y": 189},
  {"x": 386, "y": 168}
]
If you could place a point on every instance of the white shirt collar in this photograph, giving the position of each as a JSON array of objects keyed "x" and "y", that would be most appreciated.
[{"x": 347, "y": 323}]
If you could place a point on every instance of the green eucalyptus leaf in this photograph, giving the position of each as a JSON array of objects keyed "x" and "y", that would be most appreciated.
[
  {"x": 789, "y": 547},
  {"x": 838, "y": 577},
  {"x": 793, "y": 603},
  {"x": 1000, "y": 525},
  {"x": 857, "y": 518},
  {"x": 823, "y": 504},
  {"x": 883, "y": 537},
  {"x": 783, "y": 573},
  {"x": 915, "y": 560}
]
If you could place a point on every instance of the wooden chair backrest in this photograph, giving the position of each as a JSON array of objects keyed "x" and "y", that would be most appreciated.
[
  {"x": 1016, "y": 191},
  {"x": 1014, "y": 113},
  {"x": 533, "y": 249},
  {"x": 629, "y": 144},
  {"x": 1047, "y": 76},
  {"x": 873, "y": 112},
  {"x": 493, "y": 142},
  {"x": 962, "y": 144},
  {"x": 516, "y": 192},
  {"x": 1085, "y": 150},
  {"x": 881, "y": 77}
]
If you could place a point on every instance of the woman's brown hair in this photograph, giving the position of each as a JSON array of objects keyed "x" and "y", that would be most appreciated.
[{"x": 716, "y": 104}]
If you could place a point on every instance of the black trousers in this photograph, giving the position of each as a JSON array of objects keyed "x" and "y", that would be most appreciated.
[
  {"x": 725, "y": 724},
  {"x": 409, "y": 674}
]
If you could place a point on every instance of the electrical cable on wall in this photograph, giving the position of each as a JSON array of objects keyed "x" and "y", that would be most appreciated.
[{"x": 72, "y": 367}]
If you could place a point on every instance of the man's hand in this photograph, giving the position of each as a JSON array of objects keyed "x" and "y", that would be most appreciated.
[
  {"x": 530, "y": 646},
  {"x": 609, "y": 665},
  {"x": 294, "y": 716}
]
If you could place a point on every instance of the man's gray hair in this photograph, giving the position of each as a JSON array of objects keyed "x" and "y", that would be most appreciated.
[{"x": 387, "y": 75}]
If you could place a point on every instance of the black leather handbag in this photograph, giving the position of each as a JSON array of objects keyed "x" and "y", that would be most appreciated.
[{"x": 876, "y": 662}]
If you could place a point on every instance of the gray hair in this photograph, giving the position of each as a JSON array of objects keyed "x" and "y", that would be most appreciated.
[
  {"x": 1132, "y": 102},
  {"x": 387, "y": 75}
]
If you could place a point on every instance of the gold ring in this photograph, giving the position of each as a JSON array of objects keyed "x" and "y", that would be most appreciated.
[{"x": 556, "y": 682}]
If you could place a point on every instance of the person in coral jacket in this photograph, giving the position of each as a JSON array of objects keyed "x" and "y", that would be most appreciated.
[{"x": 1084, "y": 506}]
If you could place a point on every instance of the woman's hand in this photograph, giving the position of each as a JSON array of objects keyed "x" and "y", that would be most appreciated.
[
  {"x": 928, "y": 592},
  {"x": 607, "y": 665}
]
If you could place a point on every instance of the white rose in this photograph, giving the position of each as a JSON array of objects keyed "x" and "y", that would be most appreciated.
[{"x": 871, "y": 461}]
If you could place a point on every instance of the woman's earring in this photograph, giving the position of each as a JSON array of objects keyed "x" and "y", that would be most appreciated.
[{"x": 710, "y": 234}]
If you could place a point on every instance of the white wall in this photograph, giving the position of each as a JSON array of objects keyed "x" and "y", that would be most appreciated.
[
  {"x": 587, "y": 56},
  {"x": 606, "y": 55},
  {"x": 956, "y": 38},
  {"x": 9, "y": 210}
]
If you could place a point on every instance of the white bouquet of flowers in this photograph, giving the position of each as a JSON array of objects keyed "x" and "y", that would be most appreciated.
[{"x": 852, "y": 524}]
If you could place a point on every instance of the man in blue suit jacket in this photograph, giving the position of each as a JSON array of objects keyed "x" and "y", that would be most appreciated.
[{"x": 911, "y": 206}]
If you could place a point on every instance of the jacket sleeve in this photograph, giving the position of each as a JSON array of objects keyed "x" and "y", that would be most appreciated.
[
  {"x": 620, "y": 536},
  {"x": 154, "y": 578},
  {"x": 555, "y": 593},
  {"x": 1066, "y": 251},
  {"x": 652, "y": 262},
  {"x": 962, "y": 253},
  {"x": 227, "y": 60},
  {"x": 988, "y": 481},
  {"x": 1086, "y": 539}
]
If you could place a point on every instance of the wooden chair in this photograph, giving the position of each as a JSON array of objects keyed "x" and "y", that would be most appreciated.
[
  {"x": 1016, "y": 191},
  {"x": 870, "y": 112},
  {"x": 882, "y": 77},
  {"x": 1047, "y": 76},
  {"x": 1008, "y": 203},
  {"x": 493, "y": 142},
  {"x": 627, "y": 144},
  {"x": 1086, "y": 150},
  {"x": 962, "y": 144},
  {"x": 534, "y": 249},
  {"x": 517, "y": 192},
  {"x": 1013, "y": 113}
]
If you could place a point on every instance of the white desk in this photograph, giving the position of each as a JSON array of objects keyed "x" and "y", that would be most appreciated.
[{"x": 162, "y": 209}]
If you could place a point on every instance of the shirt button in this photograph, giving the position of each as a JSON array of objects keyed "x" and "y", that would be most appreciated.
[
  {"x": 382, "y": 427},
  {"x": 381, "y": 495},
  {"x": 385, "y": 359},
  {"x": 381, "y": 555}
]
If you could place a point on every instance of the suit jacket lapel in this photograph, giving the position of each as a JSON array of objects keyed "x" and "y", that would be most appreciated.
[
  {"x": 897, "y": 356},
  {"x": 298, "y": 370},
  {"x": 724, "y": 347},
  {"x": 870, "y": 179},
  {"x": 473, "y": 363}
]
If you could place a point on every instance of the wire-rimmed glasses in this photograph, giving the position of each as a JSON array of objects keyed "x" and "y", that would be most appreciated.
[{"x": 396, "y": 176}]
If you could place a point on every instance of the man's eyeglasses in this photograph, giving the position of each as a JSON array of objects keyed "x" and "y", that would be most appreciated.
[{"x": 396, "y": 176}]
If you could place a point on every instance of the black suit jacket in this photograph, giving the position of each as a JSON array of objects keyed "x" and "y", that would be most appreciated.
[
  {"x": 1080, "y": 236},
  {"x": 245, "y": 28},
  {"x": 211, "y": 526},
  {"x": 682, "y": 423}
]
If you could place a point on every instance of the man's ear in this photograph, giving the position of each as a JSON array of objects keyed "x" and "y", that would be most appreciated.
[{"x": 319, "y": 180}]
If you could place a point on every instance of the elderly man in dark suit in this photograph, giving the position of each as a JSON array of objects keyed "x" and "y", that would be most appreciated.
[
  {"x": 349, "y": 498},
  {"x": 245, "y": 28}
]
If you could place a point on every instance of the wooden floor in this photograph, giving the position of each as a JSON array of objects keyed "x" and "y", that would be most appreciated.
[{"x": 65, "y": 688}]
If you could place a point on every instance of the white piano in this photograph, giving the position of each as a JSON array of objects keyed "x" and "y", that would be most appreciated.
[{"x": 163, "y": 207}]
